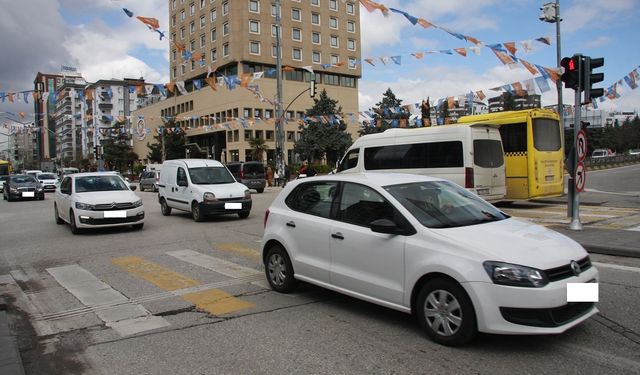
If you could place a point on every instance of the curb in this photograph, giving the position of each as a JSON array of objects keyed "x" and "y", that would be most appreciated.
[{"x": 616, "y": 251}]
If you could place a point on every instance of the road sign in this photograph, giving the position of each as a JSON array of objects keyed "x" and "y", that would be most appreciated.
[
  {"x": 581, "y": 145},
  {"x": 581, "y": 177}
]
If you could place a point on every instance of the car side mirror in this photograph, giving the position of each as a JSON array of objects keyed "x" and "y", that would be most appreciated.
[
  {"x": 387, "y": 226},
  {"x": 133, "y": 187}
]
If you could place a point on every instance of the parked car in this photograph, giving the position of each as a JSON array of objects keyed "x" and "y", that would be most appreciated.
[
  {"x": 20, "y": 186},
  {"x": 599, "y": 153},
  {"x": 149, "y": 180},
  {"x": 428, "y": 247},
  {"x": 202, "y": 187},
  {"x": 634, "y": 151},
  {"x": 48, "y": 181},
  {"x": 249, "y": 173},
  {"x": 97, "y": 200}
]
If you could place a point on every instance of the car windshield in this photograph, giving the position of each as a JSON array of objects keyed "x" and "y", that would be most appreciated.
[
  {"x": 22, "y": 179},
  {"x": 210, "y": 175},
  {"x": 99, "y": 183},
  {"x": 47, "y": 176},
  {"x": 443, "y": 204}
]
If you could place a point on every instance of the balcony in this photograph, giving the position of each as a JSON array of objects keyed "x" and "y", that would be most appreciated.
[{"x": 105, "y": 106}]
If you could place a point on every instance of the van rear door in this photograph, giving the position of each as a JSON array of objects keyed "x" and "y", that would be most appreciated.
[{"x": 488, "y": 163}]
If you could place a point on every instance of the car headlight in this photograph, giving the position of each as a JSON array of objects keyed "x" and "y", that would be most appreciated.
[
  {"x": 515, "y": 275},
  {"x": 13, "y": 190},
  {"x": 247, "y": 194},
  {"x": 137, "y": 203},
  {"x": 84, "y": 206},
  {"x": 209, "y": 197}
]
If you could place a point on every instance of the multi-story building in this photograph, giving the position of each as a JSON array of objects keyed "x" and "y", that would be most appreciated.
[
  {"x": 69, "y": 120},
  {"x": 529, "y": 101},
  {"x": 237, "y": 41},
  {"x": 44, "y": 111}
]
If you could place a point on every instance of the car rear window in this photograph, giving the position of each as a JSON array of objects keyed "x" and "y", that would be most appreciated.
[
  {"x": 487, "y": 153},
  {"x": 253, "y": 168},
  {"x": 47, "y": 176}
]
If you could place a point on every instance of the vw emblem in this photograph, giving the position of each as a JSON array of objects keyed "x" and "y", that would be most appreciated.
[{"x": 575, "y": 267}]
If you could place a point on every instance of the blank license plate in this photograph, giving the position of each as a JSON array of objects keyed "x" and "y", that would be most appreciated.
[
  {"x": 483, "y": 191},
  {"x": 115, "y": 214},
  {"x": 233, "y": 206},
  {"x": 28, "y": 194}
]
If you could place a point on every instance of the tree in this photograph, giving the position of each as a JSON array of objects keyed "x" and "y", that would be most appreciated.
[
  {"x": 118, "y": 155},
  {"x": 386, "y": 111},
  {"x": 258, "y": 148},
  {"x": 173, "y": 144},
  {"x": 509, "y": 101},
  {"x": 323, "y": 138}
]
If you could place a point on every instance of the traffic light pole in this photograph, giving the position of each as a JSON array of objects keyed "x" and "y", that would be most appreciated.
[{"x": 575, "y": 202}]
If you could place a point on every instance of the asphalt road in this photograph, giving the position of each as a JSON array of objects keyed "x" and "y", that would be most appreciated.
[{"x": 310, "y": 331}]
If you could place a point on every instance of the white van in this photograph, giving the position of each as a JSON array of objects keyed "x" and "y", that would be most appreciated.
[
  {"x": 203, "y": 187},
  {"x": 469, "y": 155}
]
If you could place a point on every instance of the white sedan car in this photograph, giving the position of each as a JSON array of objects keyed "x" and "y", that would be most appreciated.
[
  {"x": 97, "y": 200},
  {"x": 428, "y": 247}
]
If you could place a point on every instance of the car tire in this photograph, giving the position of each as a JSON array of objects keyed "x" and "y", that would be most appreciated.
[
  {"x": 59, "y": 221},
  {"x": 164, "y": 208},
  {"x": 260, "y": 190},
  {"x": 72, "y": 223},
  {"x": 137, "y": 226},
  {"x": 196, "y": 212},
  {"x": 155, "y": 188},
  {"x": 243, "y": 214},
  {"x": 445, "y": 312},
  {"x": 141, "y": 187},
  {"x": 279, "y": 270}
]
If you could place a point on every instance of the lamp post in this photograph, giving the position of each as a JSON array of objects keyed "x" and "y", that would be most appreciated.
[{"x": 278, "y": 102}]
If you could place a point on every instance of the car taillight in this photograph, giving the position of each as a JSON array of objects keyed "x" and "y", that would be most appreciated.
[
  {"x": 157, "y": 178},
  {"x": 266, "y": 216},
  {"x": 468, "y": 178}
]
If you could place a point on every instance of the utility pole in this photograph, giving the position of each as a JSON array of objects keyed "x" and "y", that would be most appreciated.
[{"x": 278, "y": 102}]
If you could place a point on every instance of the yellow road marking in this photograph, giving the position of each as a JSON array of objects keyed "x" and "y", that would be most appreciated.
[
  {"x": 217, "y": 302},
  {"x": 214, "y": 301},
  {"x": 238, "y": 249}
]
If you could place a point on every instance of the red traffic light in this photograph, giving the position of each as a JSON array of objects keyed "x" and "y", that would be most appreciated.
[{"x": 571, "y": 75}]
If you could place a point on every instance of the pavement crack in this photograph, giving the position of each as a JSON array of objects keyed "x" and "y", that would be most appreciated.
[
  {"x": 618, "y": 328},
  {"x": 177, "y": 311}
]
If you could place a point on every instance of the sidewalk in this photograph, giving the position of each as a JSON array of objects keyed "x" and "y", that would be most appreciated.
[{"x": 10, "y": 361}]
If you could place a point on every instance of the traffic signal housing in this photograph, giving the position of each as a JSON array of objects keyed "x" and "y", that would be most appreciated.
[
  {"x": 589, "y": 78},
  {"x": 312, "y": 88},
  {"x": 571, "y": 75}
]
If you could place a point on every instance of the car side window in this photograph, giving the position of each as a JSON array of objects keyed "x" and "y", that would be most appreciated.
[
  {"x": 350, "y": 160},
  {"x": 182, "y": 175},
  {"x": 313, "y": 198},
  {"x": 65, "y": 185},
  {"x": 360, "y": 205}
]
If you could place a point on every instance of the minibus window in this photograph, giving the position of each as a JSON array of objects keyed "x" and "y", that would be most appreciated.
[
  {"x": 487, "y": 153},
  {"x": 546, "y": 135}
]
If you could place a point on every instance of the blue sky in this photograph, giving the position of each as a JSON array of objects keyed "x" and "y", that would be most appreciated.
[{"x": 102, "y": 42}]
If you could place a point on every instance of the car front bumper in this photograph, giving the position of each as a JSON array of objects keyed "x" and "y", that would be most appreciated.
[
  {"x": 103, "y": 219},
  {"x": 226, "y": 207},
  {"x": 26, "y": 194},
  {"x": 516, "y": 310}
]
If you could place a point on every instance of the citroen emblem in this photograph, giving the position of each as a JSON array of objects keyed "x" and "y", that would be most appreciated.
[{"x": 575, "y": 267}]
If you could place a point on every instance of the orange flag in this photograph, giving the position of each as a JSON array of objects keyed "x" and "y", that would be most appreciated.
[
  {"x": 480, "y": 94},
  {"x": 451, "y": 101},
  {"x": 555, "y": 77},
  {"x": 36, "y": 95},
  {"x": 371, "y": 6},
  {"x": 472, "y": 40},
  {"x": 21, "y": 114},
  {"x": 511, "y": 47},
  {"x": 211, "y": 82},
  {"x": 340, "y": 63},
  {"x": 532, "y": 69},
  {"x": 149, "y": 21},
  {"x": 171, "y": 87},
  {"x": 287, "y": 68},
  {"x": 180, "y": 46},
  {"x": 196, "y": 56},
  {"x": 244, "y": 81},
  {"x": 462, "y": 51},
  {"x": 139, "y": 89},
  {"x": 519, "y": 90},
  {"x": 370, "y": 61},
  {"x": 418, "y": 55},
  {"x": 424, "y": 23}
]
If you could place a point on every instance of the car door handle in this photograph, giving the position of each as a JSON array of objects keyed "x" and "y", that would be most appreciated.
[
  {"x": 291, "y": 224},
  {"x": 337, "y": 235}
]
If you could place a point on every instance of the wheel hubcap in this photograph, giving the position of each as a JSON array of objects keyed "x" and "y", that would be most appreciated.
[
  {"x": 277, "y": 269},
  {"x": 443, "y": 312}
]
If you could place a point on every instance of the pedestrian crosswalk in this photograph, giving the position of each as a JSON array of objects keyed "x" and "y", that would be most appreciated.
[
  {"x": 593, "y": 216},
  {"x": 91, "y": 300}
]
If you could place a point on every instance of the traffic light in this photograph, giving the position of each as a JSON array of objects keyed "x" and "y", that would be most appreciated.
[
  {"x": 589, "y": 78},
  {"x": 571, "y": 75},
  {"x": 312, "y": 88}
]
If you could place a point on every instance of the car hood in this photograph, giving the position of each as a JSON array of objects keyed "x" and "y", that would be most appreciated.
[
  {"x": 222, "y": 191},
  {"x": 106, "y": 197},
  {"x": 516, "y": 241}
]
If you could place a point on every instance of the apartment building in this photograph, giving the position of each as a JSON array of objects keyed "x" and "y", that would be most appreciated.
[
  {"x": 44, "y": 111},
  {"x": 69, "y": 99},
  {"x": 237, "y": 40}
]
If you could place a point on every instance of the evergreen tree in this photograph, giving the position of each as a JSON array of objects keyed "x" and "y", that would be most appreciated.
[
  {"x": 173, "y": 144},
  {"x": 385, "y": 111},
  {"x": 323, "y": 138}
]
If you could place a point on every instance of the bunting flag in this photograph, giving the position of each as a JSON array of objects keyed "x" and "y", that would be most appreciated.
[
  {"x": 128, "y": 12},
  {"x": 545, "y": 39},
  {"x": 411, "y": 18},
  {"x": 372, "y": 6},
  {"x": 181, "y": 88},
  {"x": 151, "y": 22},
  {"x": 288, "y": 68},
  {"x": 542, "y": 83},
  {"x": 529, "y": 67},
  {"x": 197, "y": 84},
  {"x": 370, "y": 61},
  {"x": 244, "y": 81},
  {"x": 480, "y": 94},
  {"x": 418, "y": 55},
  {"x": 461, "y": 51},
  {"x": 259, "y": 75},
  {"x": 511, "y": 47},
  {"x": 171, "y": 87},
  {"x": 308, "y": 68},
  {"x": 396, "y": 59}
]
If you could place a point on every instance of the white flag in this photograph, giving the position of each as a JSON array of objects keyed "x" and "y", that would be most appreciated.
[{"x": 181, "y": 88}]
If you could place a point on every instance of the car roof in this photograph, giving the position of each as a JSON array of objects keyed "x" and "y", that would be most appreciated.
[
  {"x": 195, "y": 163},
  {"x": 373, "y": 178},
  {"x": 90, "y": 174}
]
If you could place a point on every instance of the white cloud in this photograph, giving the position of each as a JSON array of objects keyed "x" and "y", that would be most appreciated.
[
  {"x": 588, "y": 13},
  {"x": 598, "y": 42}
]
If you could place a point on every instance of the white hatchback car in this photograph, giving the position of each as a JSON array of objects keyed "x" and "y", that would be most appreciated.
[
  {"x": 97, "y": 200},
  {"x": 428, "y": 247}
]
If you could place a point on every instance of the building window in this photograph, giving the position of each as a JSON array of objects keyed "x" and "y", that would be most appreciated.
[
  {"x": 214, "y": 14},
  {"x": 203, "y": 40},
  {"x": 315, "y": 38},
  {"x": 351, "y": 44},
  {"x": 297, "y": 54},
  {"x": 351, "y": 26},
  {"x": 254, "y": 27},
  {"x": 315, "y": 57},
  {"x": 173, "y": 4},
  {"x": 254, "y": 6},
  {"x": 274, "y": 10},
  {"x": 269, "y": 135},
  {"x": 225, "y": 29},
  {"x": 173, "y": 21},
  {"x": 202, "y": 4},
  {"x": 348, "y": 81},
  {"x": 254, "y": 48},
  {"x": 214, "y": 35},
  {"x": 182, "y": 15},
  {"x": 192, "y": 45},
  {"x": 334, "y": 41},
  {"x": 315, "y": 18},
  {"x": 203, "y": 21},
  {"x": 182, "y": 33},
  {"x": 248, "y": 134},
  {"x": 350, "y": 8},
  {"x": 291, "y": 136},
  {"x": 335, "y": 59},
  {"x": 214, "y": 54},
  {"x": 259, "y": 134},
  {"x": 257, "y": 113},
  {"x": 333, "y": 22},
  {"x": 183, "y": 69},
  {"x": 330, "y": 79},
  {"x": 225, "y": 8},
  {"x": 173, "y": 55},
  {"x": 333, "y": 4},
  {"x": 175, "y": 72},
  {"x": 352, "y": 62},
  {"x": 274, "y": 31},
  {"x": 296, "y": 15},
  {"x": 296, "y": 34},
  {"x": 225, "y": 50},
  {"x": 192, "y": 27},
  {"x": 268, "y": 113},
  {"x": 315, "y": 3},
  {"x": 274, "y": 51}
]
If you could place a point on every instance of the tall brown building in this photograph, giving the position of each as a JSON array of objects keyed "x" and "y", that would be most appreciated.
[{"x": 236, "y": 39}]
